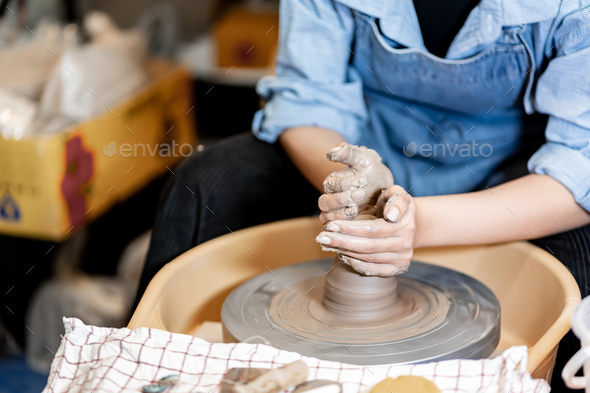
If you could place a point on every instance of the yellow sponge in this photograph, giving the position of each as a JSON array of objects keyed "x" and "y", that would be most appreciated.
[{"x": 405, "y": 384}]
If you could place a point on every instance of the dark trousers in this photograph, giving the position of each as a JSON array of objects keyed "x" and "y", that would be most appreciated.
[
  {"x": 242, "y": 182},
  {"x": 238, "y": 183},
  {"x": 572, "y": 248}
]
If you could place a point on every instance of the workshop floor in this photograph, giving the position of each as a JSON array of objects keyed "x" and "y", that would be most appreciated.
[{"x": 17, "y": 377}]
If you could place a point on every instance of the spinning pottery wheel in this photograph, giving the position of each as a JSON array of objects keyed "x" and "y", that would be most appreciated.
[{"x": 327, "y": 310}]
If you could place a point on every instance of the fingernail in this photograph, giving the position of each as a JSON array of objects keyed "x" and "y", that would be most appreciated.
[
  {"x": 392, "y": 214},
  {"x": 323, "y": 239},
  {"x": 357, "y": 195},
  {"x": 333, "y": 227}
]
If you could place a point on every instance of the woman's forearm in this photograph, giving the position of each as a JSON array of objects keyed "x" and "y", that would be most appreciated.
[
  {"x": 307, "y": 148},
  {"x": 531, "y": 207}
]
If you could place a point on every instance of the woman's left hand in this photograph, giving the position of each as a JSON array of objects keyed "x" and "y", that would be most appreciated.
[{"x": 379, "y": 247}]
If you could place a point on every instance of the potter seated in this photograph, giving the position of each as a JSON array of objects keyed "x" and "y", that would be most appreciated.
[
  {"x": 350, "y": 72},
  {"x": 358, "y": 301}
]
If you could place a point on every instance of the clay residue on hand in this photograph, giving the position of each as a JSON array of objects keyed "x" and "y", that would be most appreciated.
[
  {"x": 364, "y": 168},
  {"x": 357, "y": 189},
  {"x": 334, "y": 184},
  {"x": 362, "y": 267}
]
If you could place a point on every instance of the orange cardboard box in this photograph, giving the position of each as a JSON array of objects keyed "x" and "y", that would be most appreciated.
[
  {"x": 53, "y": 185},
  {"x": 246, "y": 38}
]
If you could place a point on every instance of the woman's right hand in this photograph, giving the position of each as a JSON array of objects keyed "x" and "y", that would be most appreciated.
[
  {"x": 355, "y": 188},
  {"x": 376, "y": 246}
]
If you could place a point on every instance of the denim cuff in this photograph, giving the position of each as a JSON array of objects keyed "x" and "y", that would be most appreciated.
[
  {"x": 568, "y": 166},
  {"x": 295, "y": 104}
]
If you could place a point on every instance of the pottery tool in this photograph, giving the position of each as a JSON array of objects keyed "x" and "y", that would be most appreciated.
[
  {"x": 319, "y": 386},
  {"x": 257, "y": 380}
]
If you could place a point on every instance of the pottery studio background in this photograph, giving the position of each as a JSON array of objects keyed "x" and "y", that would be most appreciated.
[
  {"x": 142, "y": 67},
  {"x": 467, "y": 106}
]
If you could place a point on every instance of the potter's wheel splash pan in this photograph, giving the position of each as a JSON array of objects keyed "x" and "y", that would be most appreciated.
[{"x": 447, "y": 315}]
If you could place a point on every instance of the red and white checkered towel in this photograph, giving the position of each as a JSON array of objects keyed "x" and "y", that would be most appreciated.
[{"x": 94, "y": 359}]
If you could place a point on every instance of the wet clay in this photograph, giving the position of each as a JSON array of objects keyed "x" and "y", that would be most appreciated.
[
  {"x": 345, "y": 305},
  {"x": 351, "y": 298},
  {"x": 364, "y": 171},
  {"x": 437, "y": 314},
  {"x": 349, "y": 294}
]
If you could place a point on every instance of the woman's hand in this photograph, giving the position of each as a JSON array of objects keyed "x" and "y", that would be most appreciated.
[
  {"x": 378, "y": 247},
  {"x": 353, "y": 189}
]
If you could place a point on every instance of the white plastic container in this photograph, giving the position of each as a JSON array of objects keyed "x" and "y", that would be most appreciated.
[{"x": 581, "y": 327}]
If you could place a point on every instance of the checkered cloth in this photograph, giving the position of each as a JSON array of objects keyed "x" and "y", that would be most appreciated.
[{"x": 94, "y": 359}]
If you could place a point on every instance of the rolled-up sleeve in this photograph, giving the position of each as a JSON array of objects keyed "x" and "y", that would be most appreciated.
[
  {"x": 314, "y": 85},
  {"x": 563, "y": 92}
]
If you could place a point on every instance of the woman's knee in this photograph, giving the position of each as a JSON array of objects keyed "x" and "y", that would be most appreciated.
[{"x": 228, "y": 156}]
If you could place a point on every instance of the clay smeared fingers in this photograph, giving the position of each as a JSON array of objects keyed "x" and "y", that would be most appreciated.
[
  {"x": 365, "y": 228},
  {"x": 365, "y": 268},
  {"x": 401, "y": 260},
  {"x": 338, "y": 184},
  {"x": 344, "y": 172},
  {"x": 368, "y": 228},
  {"x": 360, "y": 245},
  {"x": 402, "y": 252},
  {"x": 355, "y": 156},
  {"x": 376, "y": 269},
  {"x": 344, "y": 153},
  {"x": 393, "y": 203},
  {"x": 395, "y": 208},
  {"x": 346, "y": 213},
  {"x": 329, "y": 202},
  {"x": 383, "y": 258}
]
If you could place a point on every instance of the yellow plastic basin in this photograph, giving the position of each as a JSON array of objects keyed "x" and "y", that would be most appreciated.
[{"x": 537, "y": 293}]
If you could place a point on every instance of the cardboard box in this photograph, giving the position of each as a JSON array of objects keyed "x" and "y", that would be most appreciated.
[
  {"x": 52, "y": 186},
  {"x": 246, "y": 38}
]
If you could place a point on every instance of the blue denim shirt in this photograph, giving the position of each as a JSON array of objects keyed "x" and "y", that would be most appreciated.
[{"x": 360, "y": 68}]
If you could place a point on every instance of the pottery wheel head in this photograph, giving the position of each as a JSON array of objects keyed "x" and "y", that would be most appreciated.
[{"x": 438, "y": 314}]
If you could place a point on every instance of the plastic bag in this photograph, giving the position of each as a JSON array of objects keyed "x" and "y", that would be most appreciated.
[
  {"x": 25, "y": 67},
  {"x": 96, "y": 300},
  {"x": 89, "y": 79},
  {"x": 16, "y": 114}
]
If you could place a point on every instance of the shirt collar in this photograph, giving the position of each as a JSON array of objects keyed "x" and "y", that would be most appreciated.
[
  {"x": 520, "y": 12},
  {"x": 482, "y": 27},
  {"x": 400, "y": 23}
]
